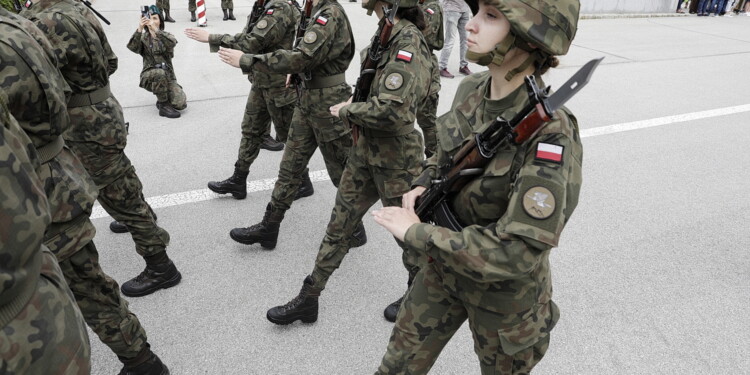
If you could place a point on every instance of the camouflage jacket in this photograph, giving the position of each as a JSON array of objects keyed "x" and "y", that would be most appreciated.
[
  {"x": 24, "y": 215},
  {"x": 86, "y": 60},
  {"x": 401, "y": 82},
  {"x": 513, "y": 213},
  {"x": 274, "y": 30},
  {"x": 154, "y": 50},
  {"x": 433, "y": 14},
  {"x": 326, "y": 49},
  {"x": 37, "y": 98}
]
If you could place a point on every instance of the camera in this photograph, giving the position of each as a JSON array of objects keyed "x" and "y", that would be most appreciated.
[{"x": 146, "y": 11}]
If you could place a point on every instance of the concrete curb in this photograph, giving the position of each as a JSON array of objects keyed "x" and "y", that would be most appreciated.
[{"x": 594, "y": 16}]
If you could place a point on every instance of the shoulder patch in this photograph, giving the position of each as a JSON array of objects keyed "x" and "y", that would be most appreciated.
[
  {"x": 321, "y": 20},
  {"x": 262, "y": 24},
  {"x": 549, "y": 152},
  {"x": 394, "y": 81},
  {"x": 539, "y": 202},
  {"x": 310, "y": 37},
  {"x": 404, "y": 56}
]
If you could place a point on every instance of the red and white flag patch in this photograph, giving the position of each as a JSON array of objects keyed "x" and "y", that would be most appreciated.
[
  {"x": 321, "y": 20},
  {"x": 404, "y": 56},
  {"x": 430, "y": 11},
  {"x": 28, "y": 4},
  {"x": 549, "y": 152},
  {"x": 270, "y": 11}
]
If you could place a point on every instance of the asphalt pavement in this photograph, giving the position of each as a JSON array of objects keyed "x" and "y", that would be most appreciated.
[{"x": 652, "y": 274}]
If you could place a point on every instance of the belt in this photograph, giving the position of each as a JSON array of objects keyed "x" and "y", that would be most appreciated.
[
  {"x": 161, "y": 66},
  {"x": 50, "y": 150},
  {"x": 373, "y": 133},
  {"x": 97, "y": 96},
  {"x": 323, "y": 82}
]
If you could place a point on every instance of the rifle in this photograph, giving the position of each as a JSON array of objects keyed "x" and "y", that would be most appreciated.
[
  {"x": 257, "y": 11},
  {"x": 470, "y": 161},
  {"x": 296, "y": 79},
  {"x": 88, "y": 4},
  {"x": 378, "y": 45}
]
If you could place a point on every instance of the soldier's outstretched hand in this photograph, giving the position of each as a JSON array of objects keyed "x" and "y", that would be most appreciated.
[
  {"x": 396, "y": 220},
  {"x": 195, "y": 33},
  {"x": 230, "y": 56}
]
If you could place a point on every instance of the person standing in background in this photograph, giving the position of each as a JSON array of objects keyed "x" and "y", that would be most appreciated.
[{"x": 457, "y": 14}]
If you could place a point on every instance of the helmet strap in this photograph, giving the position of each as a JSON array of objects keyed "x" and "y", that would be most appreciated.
[
  {"x": 497, "y": 55},
  {"x": 535, "y": 56}
]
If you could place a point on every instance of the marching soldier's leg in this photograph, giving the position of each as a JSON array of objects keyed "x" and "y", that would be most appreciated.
[
  {"x": 254, "y": 123},
  {"x": 429, "y": 318},
  {"x": 280, "y": 104}
]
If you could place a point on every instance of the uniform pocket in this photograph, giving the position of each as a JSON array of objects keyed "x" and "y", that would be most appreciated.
[{"x": 530, "y": 330}]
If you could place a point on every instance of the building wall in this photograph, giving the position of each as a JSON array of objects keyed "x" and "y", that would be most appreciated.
[{"x": 628, "y": 6}]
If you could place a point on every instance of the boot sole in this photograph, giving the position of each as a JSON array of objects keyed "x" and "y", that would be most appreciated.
[
  {"x": 168, "y": 284},
  {"x": 306, "y": 319},
  {"x": 234, "y": 194},
  {"x": 264, "y": 244}
]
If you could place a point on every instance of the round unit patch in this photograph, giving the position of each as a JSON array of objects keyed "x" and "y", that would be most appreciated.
[
  {"x": 539, "y": 202},
  {"x": 310, "y": 37},
  {"x": 394, "y": 81},
  {"x": 262, "y": 24}
]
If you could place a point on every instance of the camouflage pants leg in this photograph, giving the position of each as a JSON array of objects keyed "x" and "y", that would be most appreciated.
[
  {"x": 163, "y": 4},
  {"x": 227, "y": 4},
  {"x": 157, "y": 82},
  {"x": 191, "y": 5},
  {"x": 104, "y": 310},
  {"x": 177, "y": 96},
  {"x": 430, "y": 316},
  {"x": 121, "y": 194},
  {"x": 280, "y": 102},
  {"x": 49, "y": 335},
  {"x": 256, "y": 123}
]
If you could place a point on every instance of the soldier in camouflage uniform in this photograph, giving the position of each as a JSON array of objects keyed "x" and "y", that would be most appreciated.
[
  {"x": 228, "y": 5},
  {"x": 97, "y": 135},
  {"x": 321, "y": 58},
  {"x": 70, "y": 191},
  {"x": 269, "y": 98},
  {"x": 38, "y": 315},
  {"x": 164, "y": 5},
  {"x": 495, "y": 272},
  {"x": 385, "y": 158},
  {"x": 156, "y": 46},
  {"x": 427, "y": 111}
]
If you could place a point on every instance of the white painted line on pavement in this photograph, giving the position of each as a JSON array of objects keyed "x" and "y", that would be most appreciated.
[{"x": 193, "y": 196}]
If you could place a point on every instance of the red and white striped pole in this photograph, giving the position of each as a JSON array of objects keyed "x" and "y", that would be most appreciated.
[{"x": 201, "y": 8}]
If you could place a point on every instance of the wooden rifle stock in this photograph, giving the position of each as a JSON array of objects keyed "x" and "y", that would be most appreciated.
[{"x": 369, "y": 65}]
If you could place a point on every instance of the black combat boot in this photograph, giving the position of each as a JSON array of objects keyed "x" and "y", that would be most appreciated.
[
  {"x": 270, "y": 144},
  {"x": 192, "y": 16},
  {"x": 266, "y": 232},
  {"x": 306, "y": 188},
  {"x": 154, "y": 277},
  {"x": 304, "y": 307},
  {"x": 118, "y": 227},
  {"x": 226, "y": 17},
  {"x": 166, "y": 110},
  {"x": 167, "y": 18},
  {"x": 152, "y": 365},
  {"x": 391, "y": 311},
  {"x": 235, "y": 185},
  {"x": 359, "y": 236},
  {"x": 231, "y": 15}
]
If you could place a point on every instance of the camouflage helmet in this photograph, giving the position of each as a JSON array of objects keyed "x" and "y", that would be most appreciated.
[
  {"x": 549, "y": 25},
  {"x": 370, "y": 6}
]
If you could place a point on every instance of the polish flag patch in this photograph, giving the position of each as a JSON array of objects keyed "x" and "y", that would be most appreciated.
[
  {"x": 549, "y": 152},
  {"x": 430, "y": 11},
  {"x": 28, "y": 4},
  {"x": 270, "y": 11},
  {"x": 404, "y": 56},
  {"x": 321, "y": 20}
]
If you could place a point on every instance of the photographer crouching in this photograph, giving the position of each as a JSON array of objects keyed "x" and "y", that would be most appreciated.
[{"x": 156, "y": 46}]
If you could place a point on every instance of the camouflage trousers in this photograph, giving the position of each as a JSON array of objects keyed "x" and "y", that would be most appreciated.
[
  {"x": 313, "y": 127},
  {"x": 166, "y": 89},
  {"x": 427, "y": 110},
  {"x": 121, "y": 193},
  {"x": 362, "y": 185},
  {"x": 227, "y": 4},
  {"x": 430, "y": 315},
  {"x": 191, "y": 5},
  {"x": 49, "y": 335},
  {"x": 163, "y": 4},
  {"x": 103, "y": 309},
  {"x": 263, "y": 106}
]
